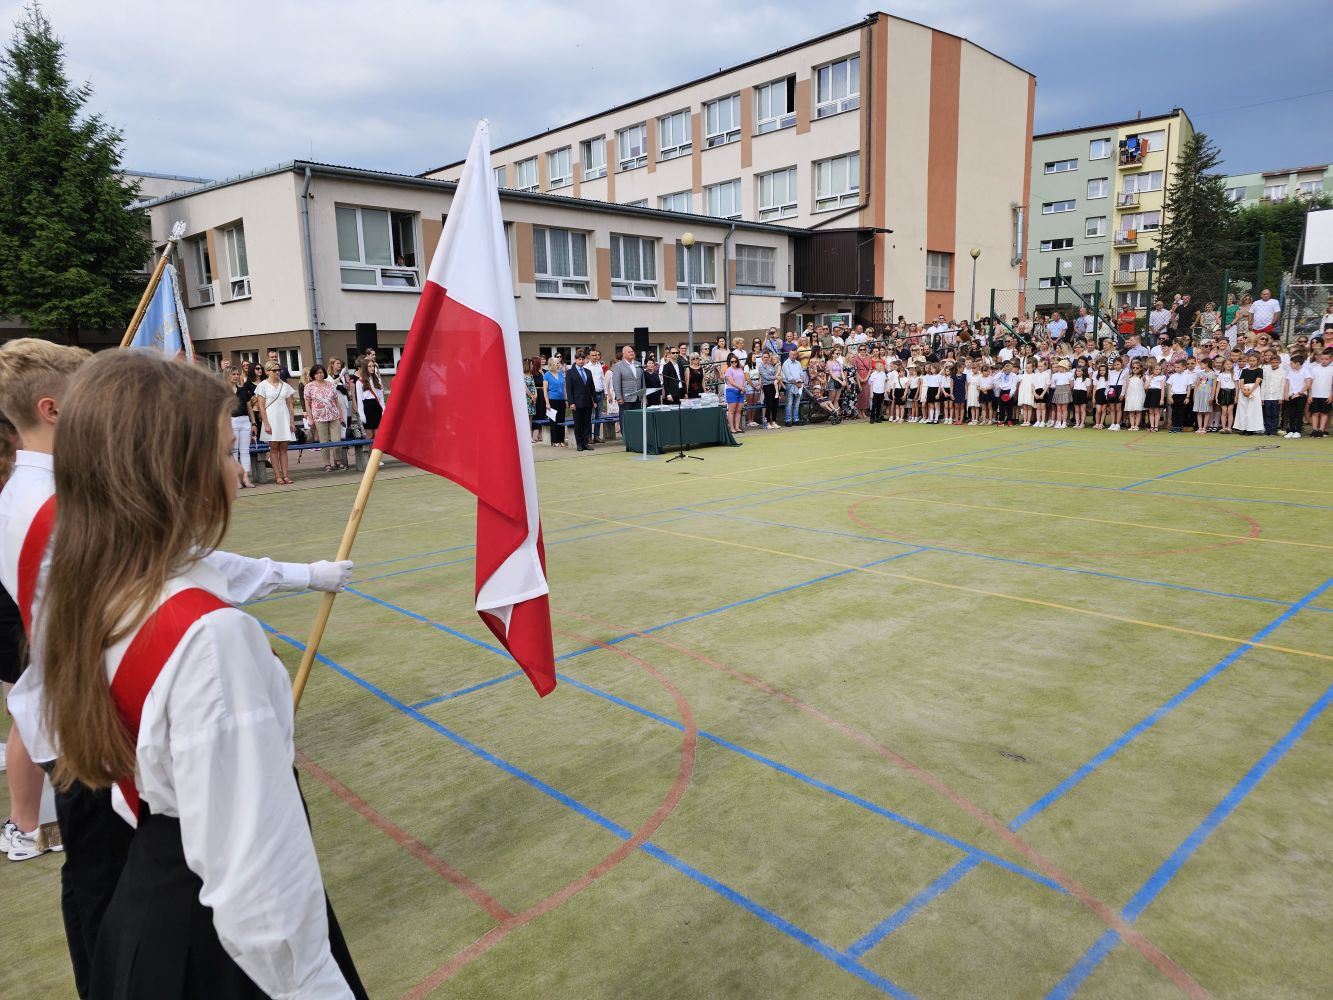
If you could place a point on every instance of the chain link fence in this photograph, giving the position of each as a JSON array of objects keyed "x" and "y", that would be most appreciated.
[{"x": 1304, "y": 310}]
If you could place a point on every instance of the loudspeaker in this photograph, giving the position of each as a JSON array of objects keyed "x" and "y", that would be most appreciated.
[
  {"x": 641, "y": 342},
  {"x": 367, "y": 338}
]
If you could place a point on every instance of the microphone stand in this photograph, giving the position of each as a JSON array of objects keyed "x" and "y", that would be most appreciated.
[{"x": 680, "y": 423}]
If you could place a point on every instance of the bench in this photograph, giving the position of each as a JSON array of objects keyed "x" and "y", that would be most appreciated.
[
  {"x": 608, "y": 422},
  {"x": 259, "y": 448}
]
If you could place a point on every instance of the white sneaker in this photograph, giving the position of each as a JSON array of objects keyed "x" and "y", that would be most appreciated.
[
  {"x": 23, "y": 846},
  {"x": 1115, "y": 427},
  {"x": 7, "y": 834}
]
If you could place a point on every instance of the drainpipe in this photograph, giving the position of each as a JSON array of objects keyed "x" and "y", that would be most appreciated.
[
  {"x": 726, "y": 271},
  {"x": 310, "y": 269}
]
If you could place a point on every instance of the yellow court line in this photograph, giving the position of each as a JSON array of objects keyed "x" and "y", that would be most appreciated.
[
  {"x": 969, "y": 590},
  {"x": 659, "y": 484},
  {"x": 1046, "y": 513}
]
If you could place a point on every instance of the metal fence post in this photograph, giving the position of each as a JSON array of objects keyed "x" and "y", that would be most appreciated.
[{"x": 1259, "y": 268}]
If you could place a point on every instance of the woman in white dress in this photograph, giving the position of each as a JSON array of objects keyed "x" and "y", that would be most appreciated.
[{"x": 278, "y": 415}]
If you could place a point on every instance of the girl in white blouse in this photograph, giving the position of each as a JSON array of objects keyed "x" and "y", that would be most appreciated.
[{"x": 221, "y": 895}]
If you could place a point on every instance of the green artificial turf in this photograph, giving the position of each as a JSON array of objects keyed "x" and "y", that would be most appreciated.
[{"x": 822, "y": 669}]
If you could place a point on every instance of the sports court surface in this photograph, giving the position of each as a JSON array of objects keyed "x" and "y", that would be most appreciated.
[{"x": 846, "y": 712}]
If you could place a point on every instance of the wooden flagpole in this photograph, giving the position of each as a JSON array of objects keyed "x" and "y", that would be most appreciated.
[
  {"x": 344, "y": 552},
  {"x": 177, "y": 231}
]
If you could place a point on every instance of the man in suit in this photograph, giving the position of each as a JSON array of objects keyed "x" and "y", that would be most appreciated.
[
  {"x": 582, "y": 394},
  {"x": 673, "y": 376},
  {"x": 627, "y": 383}
]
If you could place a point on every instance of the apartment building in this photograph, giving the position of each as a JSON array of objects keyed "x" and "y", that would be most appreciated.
[
  {"x": 1097, "y": 205},
  {"x": 1279, "y": 185},
  {"x": 915, "y": 140},
  {"x": 295, "y": 256}
]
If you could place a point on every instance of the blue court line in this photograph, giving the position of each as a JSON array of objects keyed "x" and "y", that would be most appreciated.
[
  {"x": 955, "y": 874},
  {"x": 967, "y": 849},
  {"x": 1171, "y": 867},
  {"x": 945, "y": 550},
  {"x": 624, "y": 637},
  {"x": 1188, "y": 468},
  {"x": 721, "y": 889},
  {"x": 823, "y": 786}
]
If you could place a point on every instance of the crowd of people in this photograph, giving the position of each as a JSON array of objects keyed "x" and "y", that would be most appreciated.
[
  {"x": 339, "y": 403},
  {"x": 1183, "y": 369}
]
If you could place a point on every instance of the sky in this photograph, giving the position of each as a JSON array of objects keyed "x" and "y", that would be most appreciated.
[{"x": 218, "y": 89}]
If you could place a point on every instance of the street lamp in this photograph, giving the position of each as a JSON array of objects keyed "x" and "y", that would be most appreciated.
[
  {"x": 972, "y": 313},
  {"x": 687, "y": 241}
]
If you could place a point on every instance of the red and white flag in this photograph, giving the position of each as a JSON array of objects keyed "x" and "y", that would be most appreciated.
[{"x": 458, "y": 408}]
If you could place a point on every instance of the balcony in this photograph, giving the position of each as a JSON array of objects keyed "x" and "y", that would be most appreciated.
[
  {"x": 1131, "y": 157},
  {"x": 1125, "y": 278},
  {"x": 1127, "y": 199},
  {"x": 1126, "y": 237}
]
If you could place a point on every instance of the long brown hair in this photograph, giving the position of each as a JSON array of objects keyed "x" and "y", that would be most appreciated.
[{"x": 122, "y": 530}]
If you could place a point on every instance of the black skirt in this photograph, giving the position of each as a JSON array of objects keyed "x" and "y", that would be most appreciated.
[
  {"x": 373, "y": 413},
  {"x": 1100, "y": 397},
  {"x": 1226, "y": 397},
  {"x": 1080, "y": 397},
  {"x": 1152, "y": 399},
  {"x": 11, "y": 639},
  {"x": 158, "y": 940}
]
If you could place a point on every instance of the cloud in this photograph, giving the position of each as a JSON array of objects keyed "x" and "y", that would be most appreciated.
[{"x": 218, "y": 89}]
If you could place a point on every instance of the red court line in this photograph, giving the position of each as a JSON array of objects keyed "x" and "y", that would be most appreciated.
[
  {"x": 1254, "y": 530},
  {"x": 688, "y": 744},
  {"x": 1107, "y": 914},
  {"x": 405, "y": 840}
]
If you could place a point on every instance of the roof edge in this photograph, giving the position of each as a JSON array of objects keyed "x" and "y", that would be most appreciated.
[{"x": 1173, "y": 113}]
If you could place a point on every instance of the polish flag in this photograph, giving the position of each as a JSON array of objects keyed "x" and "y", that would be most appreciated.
[{"x": 458, "y": 408}]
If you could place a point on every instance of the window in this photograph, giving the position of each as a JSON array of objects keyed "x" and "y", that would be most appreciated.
[
  {"x": 837, "y": 182},
  {"x": 389, "y": 358},
  {"x": 640, "y": 203},
  {"x": 1153, "y": 142},
  {"x": 1061, "y": 166},
  {"x": 525, "y": 174},
  {"x": 559, "y": 169},
  {"x": 1045, "y": 282},
  {"x": 723, "y": 200},
  {"x": 1056, "y": 207},
  {"x": 1097, "y": 187},
  {"x": 838, "y": 87},
  {"x": 633, "y": 267},
  {"x": 593, "y": 154},
  {"x": 377, "y": 248},
  {"x": 500, "y": 177},
  {"x": 703, "y": 272},
  {"x": 777, "y": 194},
  {"x": 722, "y": 120},
  {"x": 1275, "y": 192},
  {"x": 203, "y": 272},
  {"x": 1095, "y": 226},
  {"x": 250, "y": 356},
  {"x": 1132, "y": 262},
  {"x": 1094, "y": 264},
  {"x": 1099, "y": 149},
  {"x": 674, "y": 135},
  {"x": 238, "y": 265},
  {"x": 1236, "y": 194},
  {"x": 1064, "y": 243},
  {"x": 939, "y": 268},
  {"x": 775, "y": 105},
  {"x": 754, "y": 266},
  {"x": 212, "y": 359},
  {"x": 1137, "y": 299},
  {"x": 290, "y": 358},
  {"x": 1310, "y": 187},
  {"x": 1149, "y": 180},
  {"x": 560, "y": 260},
  {"x": 632, "y": 147},
  {"x": 1141, "y": 221},
  {"x": 681, "y": 201}
]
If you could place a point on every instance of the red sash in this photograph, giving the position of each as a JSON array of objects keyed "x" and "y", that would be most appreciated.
[
  {"x": 147, "y": 654},
  {"x": 30, "y": 558}
]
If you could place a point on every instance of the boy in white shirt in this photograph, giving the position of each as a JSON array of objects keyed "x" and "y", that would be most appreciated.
[
  {"x": 878, "y": 382},
  {"x": 1321, "y": 392},
  {"x": 1296, "y": 391}
]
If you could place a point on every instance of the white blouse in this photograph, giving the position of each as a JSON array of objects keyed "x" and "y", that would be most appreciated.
[{"x": 215, "y": 751}]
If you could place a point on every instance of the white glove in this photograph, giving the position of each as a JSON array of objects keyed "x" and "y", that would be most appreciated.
[{"x": 330, "y": 577}]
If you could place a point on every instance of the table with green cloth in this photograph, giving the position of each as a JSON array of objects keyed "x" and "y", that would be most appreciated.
[{"x": 702, "y": 425}]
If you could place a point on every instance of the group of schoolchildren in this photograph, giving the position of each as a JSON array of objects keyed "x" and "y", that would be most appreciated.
[{"x": 154, "y": 706}]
